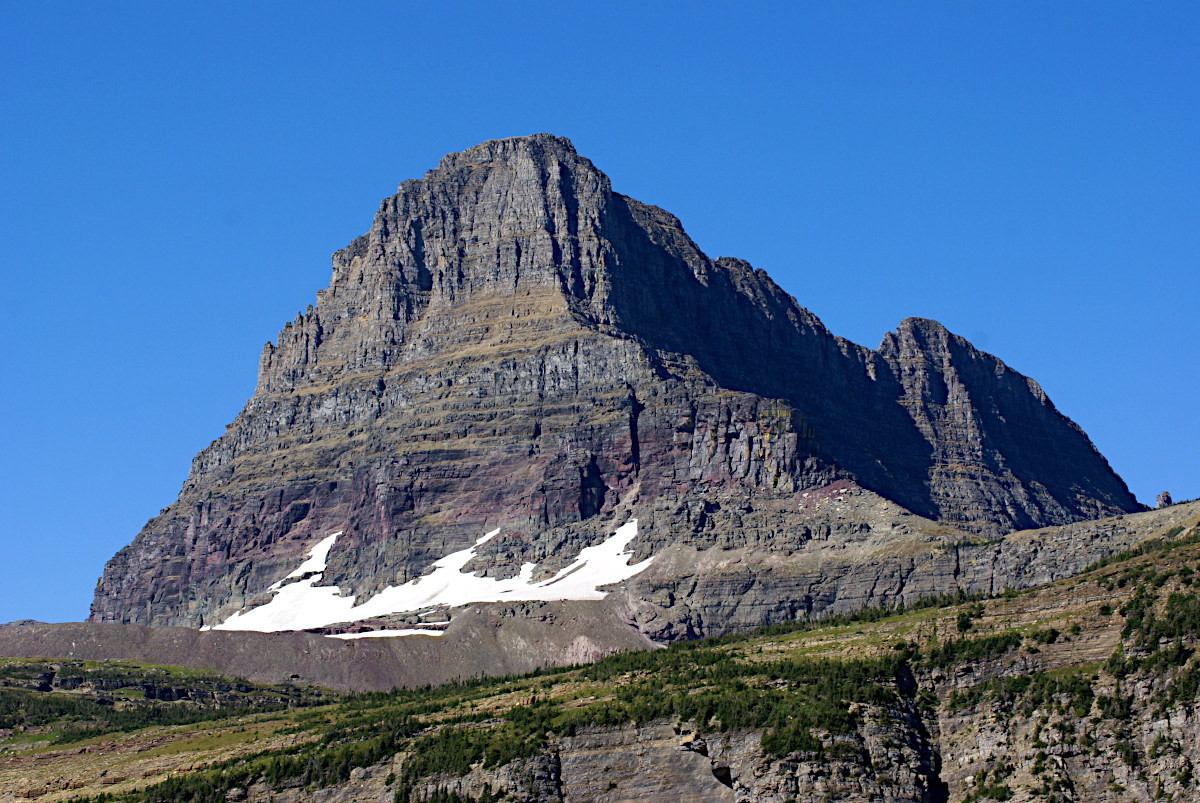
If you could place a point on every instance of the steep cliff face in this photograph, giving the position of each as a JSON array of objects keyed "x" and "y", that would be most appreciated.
[
  {"x": 514, "y": 345},
  {"x": 999, "y": 450}
]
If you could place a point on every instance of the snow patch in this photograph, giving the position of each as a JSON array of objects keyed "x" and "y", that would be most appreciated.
[
  {"x": 316, "y": 560},
  {"x": 303, "y": 605},
  {"x": 408, "y": 631}
]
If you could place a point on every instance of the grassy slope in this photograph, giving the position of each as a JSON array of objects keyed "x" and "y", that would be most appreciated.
[{"x": 1054, "y": 664}]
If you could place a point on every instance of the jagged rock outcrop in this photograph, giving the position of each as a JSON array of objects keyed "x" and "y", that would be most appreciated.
[{"x": 512, "y": 344}]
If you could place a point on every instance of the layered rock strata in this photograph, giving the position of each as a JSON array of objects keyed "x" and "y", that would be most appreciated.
[{"x": 512, "y": 344}]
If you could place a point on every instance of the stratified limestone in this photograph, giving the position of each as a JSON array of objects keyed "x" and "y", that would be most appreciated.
[{"x": 514, "y": 345}]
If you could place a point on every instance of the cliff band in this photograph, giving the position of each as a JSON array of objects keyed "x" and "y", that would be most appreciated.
[{"x": 514, "y": 346}]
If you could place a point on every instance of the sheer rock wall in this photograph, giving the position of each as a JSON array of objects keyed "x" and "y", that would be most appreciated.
[{"x": 512, "y": 344}]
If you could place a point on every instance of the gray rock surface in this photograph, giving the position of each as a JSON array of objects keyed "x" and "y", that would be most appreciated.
[
  {"x": 512, "y": 344},
  {"x": 1053, "y": 753},
  {"x": 890, "y": 758},
  {"x": 852, "y": 550}
]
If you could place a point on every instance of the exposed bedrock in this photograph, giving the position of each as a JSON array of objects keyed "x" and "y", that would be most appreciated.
[
  {"x": 858, "y": 551},
  {"x": 513, "y": 345}
]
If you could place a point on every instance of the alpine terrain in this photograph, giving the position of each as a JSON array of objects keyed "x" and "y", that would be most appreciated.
[
  {"x": 522, "y": 386},
  {"x": 538, "y": 502}
]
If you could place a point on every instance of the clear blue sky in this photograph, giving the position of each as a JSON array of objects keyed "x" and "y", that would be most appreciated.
[{"x": 174, "y": 176}]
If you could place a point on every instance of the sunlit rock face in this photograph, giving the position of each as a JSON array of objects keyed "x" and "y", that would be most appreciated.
[{"x": 514, "y": 346}]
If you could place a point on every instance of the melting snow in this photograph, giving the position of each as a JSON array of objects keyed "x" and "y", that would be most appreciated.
[
  {"x": 303, "y": 604},
  {"x": 408, "y": 631},
  {"x": 315, "y": 563}
]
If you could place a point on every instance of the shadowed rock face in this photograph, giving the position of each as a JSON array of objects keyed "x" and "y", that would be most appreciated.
[
  {"x": 514, "y": 345},
  {"x": 1000, "y": 453}
]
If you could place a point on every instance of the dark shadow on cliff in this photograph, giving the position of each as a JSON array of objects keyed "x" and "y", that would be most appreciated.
[{"x": 749, "y": 335}]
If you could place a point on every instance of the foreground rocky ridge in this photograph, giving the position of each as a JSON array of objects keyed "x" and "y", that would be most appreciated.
[
  {"x": 512, "y": 344},
  {"x": 1082, "y": 690}
]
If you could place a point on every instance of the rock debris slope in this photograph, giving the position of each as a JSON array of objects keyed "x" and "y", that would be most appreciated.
[{"x": 513, "y": 345}]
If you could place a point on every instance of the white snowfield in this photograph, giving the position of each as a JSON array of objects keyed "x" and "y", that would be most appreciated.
[
  {"x": 407, "y": 631},
  {"x": 303, "y": 604}
]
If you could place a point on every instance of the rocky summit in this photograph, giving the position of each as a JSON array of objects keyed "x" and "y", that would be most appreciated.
[{"x": 521, "y": 385}]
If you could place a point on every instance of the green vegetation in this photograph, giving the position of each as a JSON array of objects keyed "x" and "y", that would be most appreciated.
[
  {"x": 76, "y": 717},
  {"x": 91, "y": 698},
  {"x": 444, "y": 731},
  {"x": 1160, "y": 634},
  {"x": 957, "y": 651},
  {"x": 998, "y": 792},
  {"x": 1060, "y": 692},
  {"x": 806, "y": 706}
]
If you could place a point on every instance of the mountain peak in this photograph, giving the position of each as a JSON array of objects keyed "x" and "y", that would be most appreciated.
[
  {"x": 543, "y": 152},
  {"x": 506, "y": 148},
  {"x": 512, "y": 345}
]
